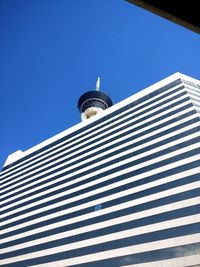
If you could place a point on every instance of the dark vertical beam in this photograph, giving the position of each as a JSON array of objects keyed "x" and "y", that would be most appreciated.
[{"x": 184, "y": 13}]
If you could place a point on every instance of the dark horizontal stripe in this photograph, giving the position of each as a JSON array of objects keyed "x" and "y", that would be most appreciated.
[
  {"x": 148, "y": 256},
  {"x": 141, "y": 207},
  {"x": 158, "y": 144},
  {"x": 113, "y": 244},
  {"x": 134, "y": 103},
  {"x": 79, "y": 202},
  {"x": 107, "y": 142},
  {"x": 110, "y": 181},
  {"x": 93, "y": 141}
]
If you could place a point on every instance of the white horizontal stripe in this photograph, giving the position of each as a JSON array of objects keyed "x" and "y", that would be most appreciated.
[
  {"x": 198, "y": 109},
  {"x": 195, "y": 99},
  {"x": 4, "y": 173},
  {"x": 193, "y": 93},
  {"x": 188, "y": 261},
  {"x": 90, "y": 146},
  {"x": 77, "y": 172},
  {"x": 137, "y": 166},
  {"x": 138, "y": 201},
  {"x": 193, "y": 90},
  {"x": 149, "y": 152},
  {"x": 103, "y": 224},
  {"x": 106, "y": 238},
  {"x": 196, "y": 104},
  {"x": 184, "y": 129},
  {"x": 109, "y": 254},
  {"x": 97, "y": 213}
]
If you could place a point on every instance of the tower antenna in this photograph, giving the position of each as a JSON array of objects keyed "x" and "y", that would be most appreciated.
[{"x": 98, "y": 84}]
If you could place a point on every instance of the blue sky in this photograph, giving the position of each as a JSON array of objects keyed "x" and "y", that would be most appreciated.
[{"x": 52, "y": 51}]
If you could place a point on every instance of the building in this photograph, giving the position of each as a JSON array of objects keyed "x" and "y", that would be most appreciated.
[{"x": 121, "y": 188}]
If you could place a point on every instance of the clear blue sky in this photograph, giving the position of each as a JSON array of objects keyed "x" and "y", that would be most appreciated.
[{"x": 52, "y": 51}]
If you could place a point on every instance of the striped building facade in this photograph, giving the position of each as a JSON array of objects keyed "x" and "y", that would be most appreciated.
[{"x": 119, "y": 189}]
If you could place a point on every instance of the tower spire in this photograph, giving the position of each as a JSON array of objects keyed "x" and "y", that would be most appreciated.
[{"x": 98, "y": 84}]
